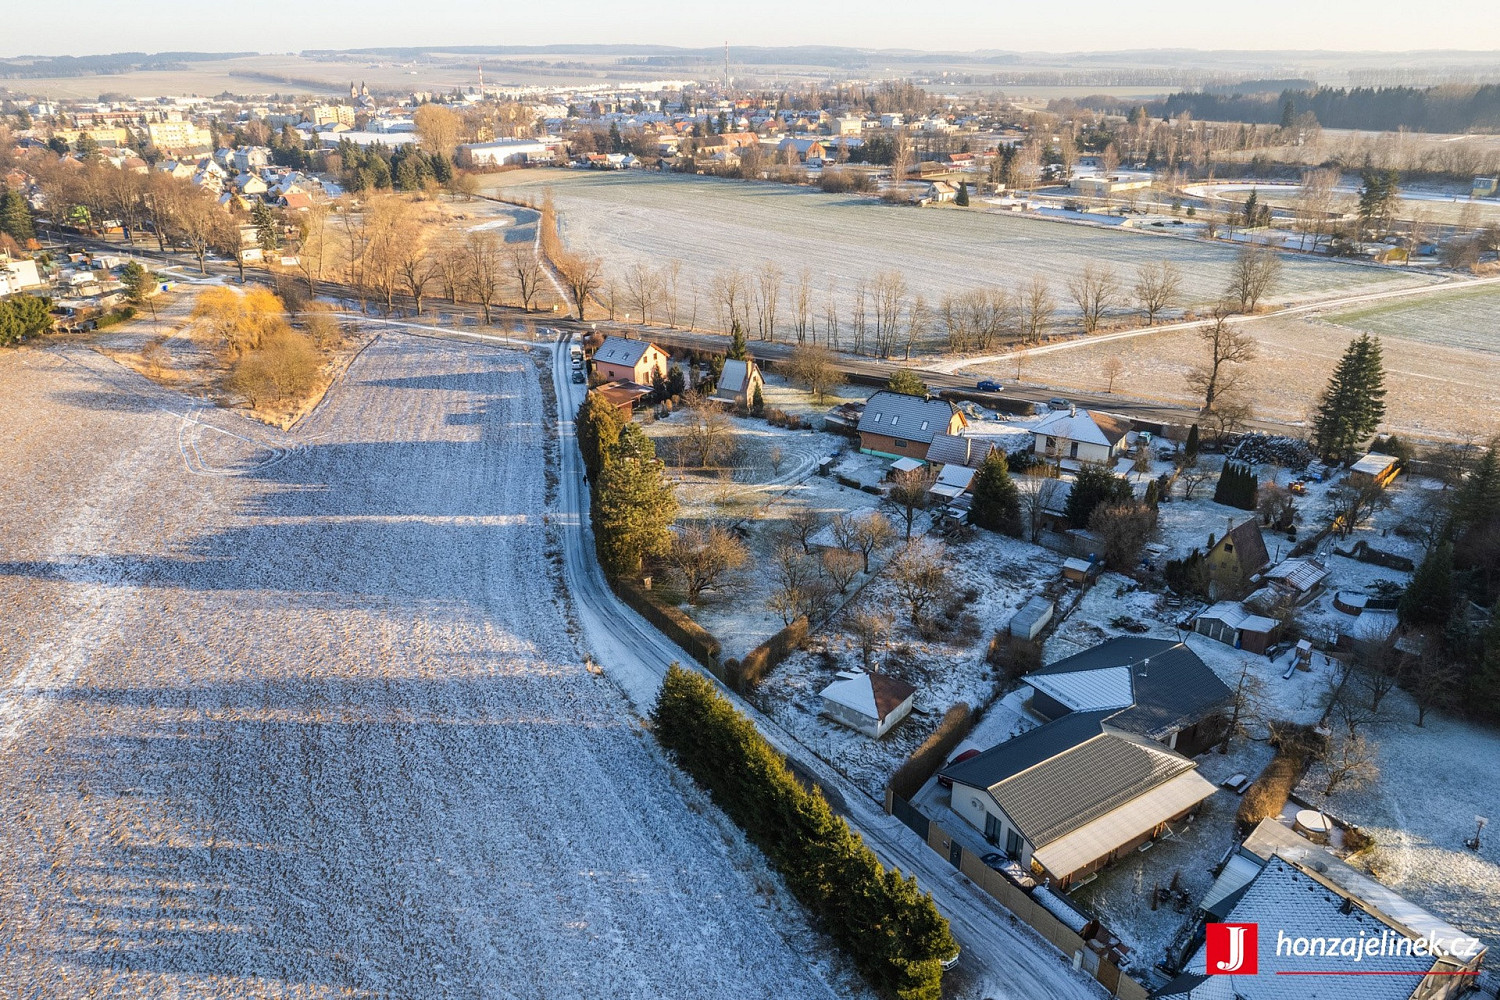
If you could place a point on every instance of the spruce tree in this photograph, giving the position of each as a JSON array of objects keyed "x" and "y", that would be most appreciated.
[
  {"x": 15, "y": 217},
  {"x": 1353, "y": 404},
  {"x": 962, "y": 198},
  {"x": 598, "y": 428},
  {"x": 1093, "y": 485},
  {"x": 738, "y": 350},
  {"x": 906, "y": 381},
  {"x": 1428, "y": 601},
  {"x": 997, "y": 502},
  {"x": 1190, "y": 449},
  {"x": 633, "y": 513}
]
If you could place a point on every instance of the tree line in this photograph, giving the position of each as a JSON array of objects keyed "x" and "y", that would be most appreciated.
[
  {"x": 887, "y": 925},
  {"x": 1452, "y": 108}
]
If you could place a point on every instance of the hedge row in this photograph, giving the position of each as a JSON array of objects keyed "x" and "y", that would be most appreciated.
[
  {"x": 696, "y": 641},
  {"x": 889, "y": 927},
  {"x": 1267, "y": 795},
  {"x": 933, "y": 753},
  {"x": 745, "y": 674}
]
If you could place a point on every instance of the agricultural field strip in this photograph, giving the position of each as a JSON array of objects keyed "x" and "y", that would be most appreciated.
[
  {"x": 716, "y": 225},
  {"x": 390, "y": 821}
]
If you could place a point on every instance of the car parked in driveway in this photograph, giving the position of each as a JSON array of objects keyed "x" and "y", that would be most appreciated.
[
  {"x": 579, "y": 377},
  {"x": 966, "y": 755},
  {"x": 988, "y": 385}
]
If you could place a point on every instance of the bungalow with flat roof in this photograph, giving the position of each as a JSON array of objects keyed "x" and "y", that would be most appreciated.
[
  {"x": 896, "y": 425},
  {"x": 1374, "y": 468}
]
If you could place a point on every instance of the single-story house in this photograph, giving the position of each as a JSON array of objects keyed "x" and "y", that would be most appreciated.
[
  {"x": 1231, "y": 623},
  {"x": 738, "y": 383},
  {"x": 1073, "y": 795},
  {"x": 1033, "y": 616},
  {"x": 1374, "y": 468},
  {"x": 895, "y": 425},
  {"x": 1234, "y": 559},
  {"x": 505, "y": 151},
  {"x": 639, "y": 361},
  {"x": 1158, "y": 688},
  {"x": 870, "y": 703},
  {"x": 1079, "y": 436},
  {"x": 1297, "y": 579},
  {"x": 1300, "y": 893}
]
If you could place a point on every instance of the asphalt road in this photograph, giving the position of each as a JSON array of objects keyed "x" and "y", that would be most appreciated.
[{"x": 1010, "y": 960}]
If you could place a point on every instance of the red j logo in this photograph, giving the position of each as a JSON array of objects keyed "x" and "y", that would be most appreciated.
[{"x": 1231, "y": 950}]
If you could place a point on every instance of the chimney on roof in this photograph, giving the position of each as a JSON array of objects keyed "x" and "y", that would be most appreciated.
[
  {"x": 1072, "y": 409},
  {"x": 1146, "y": 666}
]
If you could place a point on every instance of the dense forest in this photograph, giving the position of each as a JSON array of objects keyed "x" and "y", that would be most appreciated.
[{"x": 1449, "y": 108}]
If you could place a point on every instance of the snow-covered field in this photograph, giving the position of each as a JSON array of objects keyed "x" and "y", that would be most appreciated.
[
  {"x": 1433, "y": 391},
  {"x": 712, "y": 225},
  {"x": 303, "y": 715},
  {"x": 1460, "y": 319}
]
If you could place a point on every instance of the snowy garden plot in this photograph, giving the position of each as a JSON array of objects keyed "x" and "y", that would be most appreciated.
[
  {"x": 1001, "y": 574},
  {"x": 320, "y": 725},
  {"x": 720, "y": 224}
]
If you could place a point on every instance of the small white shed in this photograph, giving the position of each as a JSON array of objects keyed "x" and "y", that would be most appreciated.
[{"x": 870, "y": 703}]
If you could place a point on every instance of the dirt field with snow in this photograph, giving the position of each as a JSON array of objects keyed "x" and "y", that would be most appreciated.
[
  {"x": 712, "y": 225},
  {"x": 302, "y": 715},
  {"x": 1433, "y": 391}
]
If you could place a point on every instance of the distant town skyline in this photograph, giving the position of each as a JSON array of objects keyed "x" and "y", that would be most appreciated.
[{"x": 103, "y": 26}]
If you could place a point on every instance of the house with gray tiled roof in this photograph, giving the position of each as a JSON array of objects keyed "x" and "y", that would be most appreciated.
[
  {"x": 1103, "y": 775},
  {"x": 896, "y": 425},
  {"x": 620, "y": 359},
  {"x": 738, "y": 382}
]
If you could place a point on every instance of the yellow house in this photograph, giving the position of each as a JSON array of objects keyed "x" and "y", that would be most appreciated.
[
  {"x": 1234, "y": 559},
  {"x": 171, "y": 136}
]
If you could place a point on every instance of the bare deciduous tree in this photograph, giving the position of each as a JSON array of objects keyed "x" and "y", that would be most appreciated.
[
  {"x": 708, "y": 437},
  {"x": 485, "y": 269},
  {"x": 909, "y": 493},
  {"x": 813, "y": 366},
  {"x": 842, "y": 566},
  {"x": 1228, "y": 350},
  {"x": 705, "y": 556},
  {"x": 1244, "y": 706},
  {"x": 1093, "y": 290},
  {"x": 643, "y": 290},
  {"x": 920, "y": 574},
  {"x": 1255, "y": 270},
  {"x": 1156, "y": 288},
  {"x": 528, "y": 273},
  {"x": 869, "y": 627},
  {"x": 767, "y": 294},
  {"x": 1036, "y": 309},
  {"x": 581, "y": 275},
  {"x": 1352, "y": 762},
  {"x": 802, "y": 525},
  {"x": 1112, "y": 367},
  {"x": 802, "y": 305}
]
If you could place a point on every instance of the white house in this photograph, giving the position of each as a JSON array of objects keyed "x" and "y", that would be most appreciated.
[
  {"x": 738, "y": 383},
  {"x": 1078, "y": 436},
  {"x": 870, "y": 703},
  {"x": 505, "y": 151},
  {"x": 18, "y": 275}
]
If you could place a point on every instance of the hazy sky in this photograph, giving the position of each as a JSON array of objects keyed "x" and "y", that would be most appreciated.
[{"x": 91, "y": 26}]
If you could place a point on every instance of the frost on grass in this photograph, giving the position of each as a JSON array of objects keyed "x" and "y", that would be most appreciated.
[{"x": 297, "y": 714}]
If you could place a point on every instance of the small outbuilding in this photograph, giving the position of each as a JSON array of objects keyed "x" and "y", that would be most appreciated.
[
  {"x": 1033, "y": 616},
  {"x": 1230, "y": 623},
  {"x": 871, "y": 703},
  {"x": 1374, "y": 468}
]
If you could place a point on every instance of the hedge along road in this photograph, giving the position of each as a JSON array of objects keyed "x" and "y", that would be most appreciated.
[{"x": 1013, "y": 962}]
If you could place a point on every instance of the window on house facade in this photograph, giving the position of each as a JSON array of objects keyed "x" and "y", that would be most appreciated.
[
  {"x": 992, "y": 827},
  {"x": 1013, "y": 843},
  {"x": 901, "y": 442},
  {"x": 1073, "y": 450}
]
